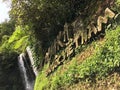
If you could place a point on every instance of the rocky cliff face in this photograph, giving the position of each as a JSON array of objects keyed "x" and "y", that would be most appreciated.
[{"x": 79, "y": 32}]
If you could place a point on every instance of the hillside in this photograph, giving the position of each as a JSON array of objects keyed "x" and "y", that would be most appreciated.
[
  {"x": 85, "y": 55},
  {"x": 61, "y": 45},
  {"x": 99, "y": 70}
]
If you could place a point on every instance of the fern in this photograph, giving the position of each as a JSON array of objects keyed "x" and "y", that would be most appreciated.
[
  {"x": 17, "y": 41},
  {"x": 21, "y": 42},
  {"x": 17, "y": 34}
]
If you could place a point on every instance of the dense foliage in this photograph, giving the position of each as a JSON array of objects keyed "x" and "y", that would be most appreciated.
[
  {"x": 103, "y": 62},
  {"x": 6, "y": 29},
  {"x": 36, "y": 23},
  {"x": 9, "y": 80},
  {"x": 47, "y": 17}
]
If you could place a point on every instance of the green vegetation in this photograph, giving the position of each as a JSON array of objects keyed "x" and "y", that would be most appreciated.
[
  {"x": 17, "y": 41},
  {"x": 8, "y": 58},
  {"x": 47, "y": 17},
  {"x": 103, "y": 62},
  {"x": 36, "y": 23}
]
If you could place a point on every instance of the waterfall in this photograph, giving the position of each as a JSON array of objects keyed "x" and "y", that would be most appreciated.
[
  {"x": 26, "y": 72},
  {"x": 29, "y": 52}
]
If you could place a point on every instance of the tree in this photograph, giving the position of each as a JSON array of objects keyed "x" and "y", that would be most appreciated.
[
  {"x": 47, "y": 17},
  {"x": 6, "y": 28}
]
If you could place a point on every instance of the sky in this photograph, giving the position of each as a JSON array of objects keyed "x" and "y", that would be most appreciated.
[{"x": 4, "y": 9}]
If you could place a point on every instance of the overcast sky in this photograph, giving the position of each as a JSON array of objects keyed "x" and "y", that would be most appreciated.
[{"x": 4, "y": 9}]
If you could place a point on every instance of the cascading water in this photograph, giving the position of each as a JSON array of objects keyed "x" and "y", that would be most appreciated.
[
  {"x": 26, "y": 72},
  {"x": 29, "y": 52}
]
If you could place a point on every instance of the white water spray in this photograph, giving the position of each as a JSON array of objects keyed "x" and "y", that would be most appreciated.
[
  {"x": 27, "y": 82},
  {"x": 29, "y": 52}
]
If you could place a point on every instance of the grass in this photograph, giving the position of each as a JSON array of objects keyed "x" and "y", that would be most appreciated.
[{"x": 100, "y": 64}]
